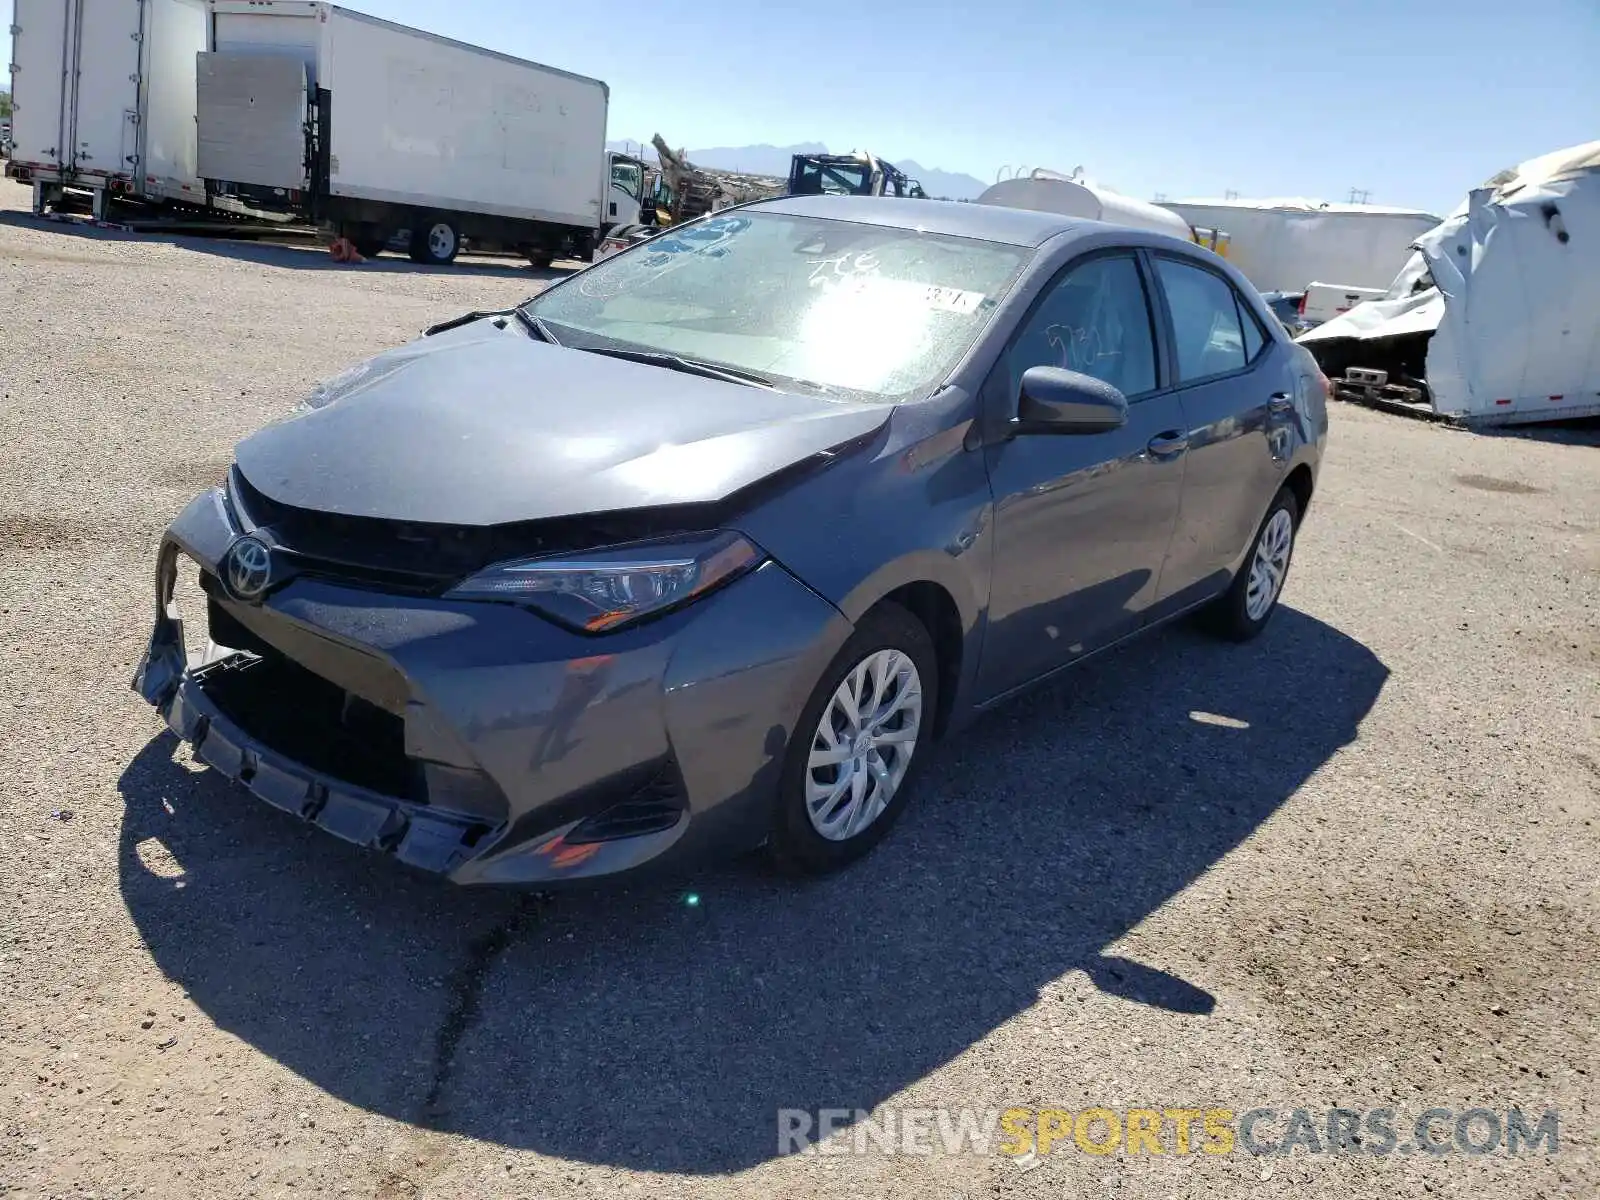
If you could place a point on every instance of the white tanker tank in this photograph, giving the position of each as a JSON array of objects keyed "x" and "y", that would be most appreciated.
[{"x": 1047, "y": 191}]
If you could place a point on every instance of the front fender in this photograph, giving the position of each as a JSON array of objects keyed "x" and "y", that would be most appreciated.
[{"x": 913, "y": 507}]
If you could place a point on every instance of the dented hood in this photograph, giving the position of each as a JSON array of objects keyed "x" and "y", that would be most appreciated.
[{"x": 485, "y": 425}]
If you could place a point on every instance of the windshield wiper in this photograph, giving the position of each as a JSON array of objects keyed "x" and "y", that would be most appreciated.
[
  {"x": 464, "y": 319},
  {"x": 537, "y": 326},
  {"x": 689, "y": 366}
]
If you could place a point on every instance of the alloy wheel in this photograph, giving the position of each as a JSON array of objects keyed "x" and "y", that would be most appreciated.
[
  {"x": 863, "y": 744},
  {"x": 1270, "y": 565}
]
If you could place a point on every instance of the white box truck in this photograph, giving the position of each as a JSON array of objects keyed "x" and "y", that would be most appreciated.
[
  {"x": 368, "y": 128},
  {"x": 103, "y": 98}
]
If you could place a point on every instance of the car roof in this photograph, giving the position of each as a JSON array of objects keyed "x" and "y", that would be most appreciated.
[{"x": 989, "y": 222}]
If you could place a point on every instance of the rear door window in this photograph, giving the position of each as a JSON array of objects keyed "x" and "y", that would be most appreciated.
[{"x": 1208, "y": 333}]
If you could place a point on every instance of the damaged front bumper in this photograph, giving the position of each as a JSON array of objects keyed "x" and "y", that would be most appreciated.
[{"x": 478, "y": 741}]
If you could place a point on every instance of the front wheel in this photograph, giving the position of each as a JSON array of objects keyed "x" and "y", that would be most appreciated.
[
  {"x": 1243, "y": 611},
  {"x": 846, "y": 772},
  {"x": 435, "y": 241}
]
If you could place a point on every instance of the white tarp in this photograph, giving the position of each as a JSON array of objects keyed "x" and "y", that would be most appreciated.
[
  {"x": 1282, "y": 245},
  {"x": 1515, "y": 306}
]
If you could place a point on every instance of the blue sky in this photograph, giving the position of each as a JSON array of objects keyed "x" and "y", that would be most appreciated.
[{"x": 1413, "y": 101}]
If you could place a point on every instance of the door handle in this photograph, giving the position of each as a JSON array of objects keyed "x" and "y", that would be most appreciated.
[
  {"x": 1169, "y": 444},
  {"x": 1280, "y": 403}
]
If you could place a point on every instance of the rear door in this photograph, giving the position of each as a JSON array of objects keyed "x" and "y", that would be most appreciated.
[
  {"x": 39, "y": 54},
  {"x": 105, "y": 131},
  {"x": 1082, "y": 522},
  {"x": 1236, "y": 387},
  {"x": 177, "y": 31}
]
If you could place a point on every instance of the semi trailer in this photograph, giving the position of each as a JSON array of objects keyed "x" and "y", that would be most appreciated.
[
  {"x": 1289, "y": 245},
  {"x": 103, "y": 99}
]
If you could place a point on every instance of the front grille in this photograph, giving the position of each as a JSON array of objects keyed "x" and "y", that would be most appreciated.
[
  {"x": 426, "y": 558},
  {"x": 315, "y": 723}
]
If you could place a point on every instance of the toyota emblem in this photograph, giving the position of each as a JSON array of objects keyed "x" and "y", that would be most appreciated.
[{"x": 248, "y": 568}]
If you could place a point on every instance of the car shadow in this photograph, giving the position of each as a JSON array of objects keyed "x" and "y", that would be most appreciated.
[
  {"x": 662, "y": 1029},
  {"x": 307, "y": 255}
]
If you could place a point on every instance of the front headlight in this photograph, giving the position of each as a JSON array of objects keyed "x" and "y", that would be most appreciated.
[{"x": 604, "y": 590}]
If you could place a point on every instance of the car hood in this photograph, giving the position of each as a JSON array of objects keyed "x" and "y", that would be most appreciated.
[{"x": 484, "y": 425}]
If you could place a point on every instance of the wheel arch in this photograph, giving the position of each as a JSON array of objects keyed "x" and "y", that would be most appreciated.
[
  {"x": 932, "y": 605},
  {"x": 936, "y": 590},
  {"x": 1302, "y": 483}
]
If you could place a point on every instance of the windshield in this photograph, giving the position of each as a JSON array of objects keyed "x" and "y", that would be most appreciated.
[
  {"x": 628, "y": 176},
  {"x": 847, "y": 178},
  {"x": 826, "y": 306}
]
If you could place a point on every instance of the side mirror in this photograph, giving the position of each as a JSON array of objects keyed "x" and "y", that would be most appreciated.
[{"x": 1055, "y": 400}]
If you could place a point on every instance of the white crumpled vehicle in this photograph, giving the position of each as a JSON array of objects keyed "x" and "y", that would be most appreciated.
[{"x": 1496, "y": 317}]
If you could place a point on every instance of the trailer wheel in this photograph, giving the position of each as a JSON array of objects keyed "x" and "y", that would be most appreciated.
[
  {"x": 540, "y": 259},
  {"x": 435, "y": 242}
]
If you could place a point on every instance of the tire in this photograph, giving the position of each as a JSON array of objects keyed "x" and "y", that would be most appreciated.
[
  {"x": 370, "y": 245},
  {"x": 1238, "y": 614},
  {"x": 540, "y": 259},
  {"x": 889, "y": 638},
  {"x": 435, "y": 241}
]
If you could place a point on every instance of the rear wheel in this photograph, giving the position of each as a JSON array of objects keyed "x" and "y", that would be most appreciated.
[
  {"x": 850, "y": 762},
  {"x": 1243, "y": 611},
  {"x": 539, "y": 259},
  {"x": 435, "y": 241}
]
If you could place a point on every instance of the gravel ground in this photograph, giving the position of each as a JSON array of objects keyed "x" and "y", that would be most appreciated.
[{"x": 1370, "y": 877}]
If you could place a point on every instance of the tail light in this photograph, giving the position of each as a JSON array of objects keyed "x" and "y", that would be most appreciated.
[{"x": 1300, "y": 308}]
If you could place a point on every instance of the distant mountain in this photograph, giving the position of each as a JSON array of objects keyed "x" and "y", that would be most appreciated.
[
  {"x": 774, "y": 160},
  {"x": 951, "y": 185}
]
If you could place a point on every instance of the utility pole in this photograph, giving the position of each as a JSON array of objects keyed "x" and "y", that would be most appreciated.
[
  {"x": 1358, "y": 196},
  {"x": 1230, "y": 194}
]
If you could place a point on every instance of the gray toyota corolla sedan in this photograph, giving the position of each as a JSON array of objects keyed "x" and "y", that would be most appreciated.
[{"x": 703, "y": 547}]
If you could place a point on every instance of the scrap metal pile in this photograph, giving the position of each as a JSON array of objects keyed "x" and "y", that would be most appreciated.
[{"x": 692, "y": 191}]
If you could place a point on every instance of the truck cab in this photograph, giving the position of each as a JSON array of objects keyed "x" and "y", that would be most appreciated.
[
  {"x": 624, "y": 192},
  {"x": 857, "y": 174}
]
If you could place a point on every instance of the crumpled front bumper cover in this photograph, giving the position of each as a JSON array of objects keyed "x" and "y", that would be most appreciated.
[
  {"x": 420, "y": 838},
  {"x": 523, "y": 735}
]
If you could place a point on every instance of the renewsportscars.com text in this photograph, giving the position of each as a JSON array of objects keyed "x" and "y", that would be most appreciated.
[{"x": 1026, "y": 1133}]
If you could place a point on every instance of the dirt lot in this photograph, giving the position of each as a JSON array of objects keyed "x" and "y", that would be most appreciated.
[{"x": 1355, "y": 863}]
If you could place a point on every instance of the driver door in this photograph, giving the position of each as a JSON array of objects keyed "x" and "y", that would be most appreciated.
[{"x": 1082, "y": 523}]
